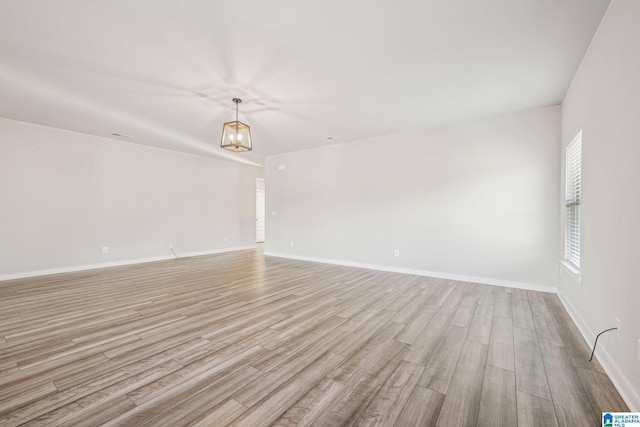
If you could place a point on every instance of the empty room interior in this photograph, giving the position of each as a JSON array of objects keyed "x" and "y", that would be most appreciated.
[{"x": 328, "y": 213}]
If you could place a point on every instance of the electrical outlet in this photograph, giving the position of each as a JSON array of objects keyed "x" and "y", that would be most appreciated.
[
  {"x": 170, "y": 245},
  {"x": 617, "y": 323},
  {"x": 226, "y": 238},
  {"x": 281, "y": 167},
  {"x": 291, "y": 243},
  {"x": 274, "y": 213},
  {"x": 105, "y": 249},
  {"x": 396, "y": 252}
]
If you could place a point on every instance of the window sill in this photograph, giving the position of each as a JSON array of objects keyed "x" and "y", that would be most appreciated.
[{"x": 571, "y": 271}]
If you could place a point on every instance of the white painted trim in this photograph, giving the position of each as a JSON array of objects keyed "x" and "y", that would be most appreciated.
[
  {"x": 619, "y": 380},
  {"x": 118, "y": 263},
  {"x": 573, "y": 272},
  {"x": 436, "y": 274}
]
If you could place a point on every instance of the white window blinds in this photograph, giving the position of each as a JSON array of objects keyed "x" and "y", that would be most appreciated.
[{"x": 573, "y": 196}]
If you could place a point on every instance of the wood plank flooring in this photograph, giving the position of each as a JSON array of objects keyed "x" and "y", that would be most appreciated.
[{"x": 240, "y": 339}]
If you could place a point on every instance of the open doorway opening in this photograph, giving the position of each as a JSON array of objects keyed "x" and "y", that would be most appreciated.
[{"x": 259, "y": 210}]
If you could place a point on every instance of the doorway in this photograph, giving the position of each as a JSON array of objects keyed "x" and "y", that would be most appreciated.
[{"x": 259, "y": 210}]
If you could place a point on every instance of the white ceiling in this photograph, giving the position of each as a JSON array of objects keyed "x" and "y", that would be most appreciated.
[{"x": 164, "y": 71}]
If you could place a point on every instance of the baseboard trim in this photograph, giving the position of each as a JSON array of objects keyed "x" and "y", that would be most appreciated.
[
  {"x": 624, "y": 387},
  {"x": 416, "y": 272},
  {"x": 119, "y": 263}
]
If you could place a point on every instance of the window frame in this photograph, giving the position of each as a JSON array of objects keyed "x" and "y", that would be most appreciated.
[{"x": 573, "y": 201}]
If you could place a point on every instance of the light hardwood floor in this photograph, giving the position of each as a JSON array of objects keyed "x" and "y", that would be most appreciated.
[{"x": 240, "y": 339}]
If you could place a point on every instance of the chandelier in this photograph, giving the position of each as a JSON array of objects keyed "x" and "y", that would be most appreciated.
[{"x": 236, "y": 136}]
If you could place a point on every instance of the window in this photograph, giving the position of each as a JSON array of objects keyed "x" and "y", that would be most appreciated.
[{"x": 572, "y": 204}]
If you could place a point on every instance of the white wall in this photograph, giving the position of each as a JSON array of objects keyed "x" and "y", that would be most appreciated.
[
  {"x": 64, "y": 195},
  {"x": 475, "y": 200},
  {"x": 604, "y": 100}
]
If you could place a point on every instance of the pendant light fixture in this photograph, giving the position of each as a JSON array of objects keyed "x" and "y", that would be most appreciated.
[{"x": 236, "y": 136}]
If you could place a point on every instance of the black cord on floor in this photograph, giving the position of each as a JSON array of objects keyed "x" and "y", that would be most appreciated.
[{"x": 596, "y": 343}]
